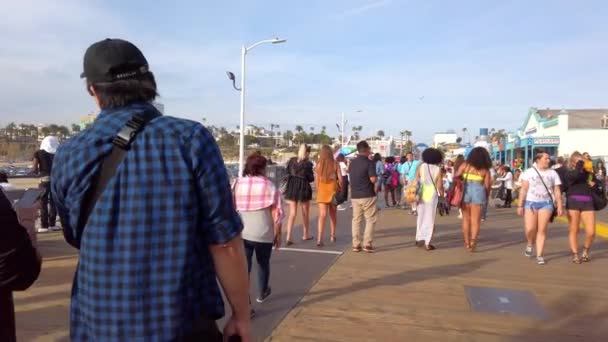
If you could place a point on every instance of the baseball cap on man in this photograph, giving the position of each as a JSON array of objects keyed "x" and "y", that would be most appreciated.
[{"x": 112, "y": 60}]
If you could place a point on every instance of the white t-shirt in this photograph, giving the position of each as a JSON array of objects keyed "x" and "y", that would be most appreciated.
[
  {"x": 508, "y": 179},
  {"x": 536, "y": 189},
  {"x": 344, "y": 169}
]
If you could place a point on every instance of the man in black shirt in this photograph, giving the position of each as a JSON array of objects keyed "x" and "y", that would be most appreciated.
[
  {"x": 362, "y": 178},
  {"x": 43, "y": 163}
]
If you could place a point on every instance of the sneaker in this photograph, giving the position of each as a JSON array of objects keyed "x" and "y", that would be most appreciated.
[
  {"x": 55, "y": 228},
  {"x": 540, "y": 260},
  {"x": 42, "y": 230},
  {"x": 341, "y": 208},
  {"x": 251, "y": 314},
  {"x": 528, "y": 251},
  {"x": 264, "y": 295},
  {"x": 369, "y": 249}
]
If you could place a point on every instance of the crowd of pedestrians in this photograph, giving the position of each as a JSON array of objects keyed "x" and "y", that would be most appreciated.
[{"x": 160, "y": 228}]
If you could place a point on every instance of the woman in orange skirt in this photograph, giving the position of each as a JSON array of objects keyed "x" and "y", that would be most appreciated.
[{"x": 328, "y": 181}]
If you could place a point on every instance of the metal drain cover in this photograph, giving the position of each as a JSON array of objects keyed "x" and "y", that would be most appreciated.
[{"x": 504, "y": 301}]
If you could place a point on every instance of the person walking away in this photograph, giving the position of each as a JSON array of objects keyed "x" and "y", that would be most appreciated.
[
  {"x": 163, "y": 232},
  {"x": 475, "y": 173},
  {"x": 345, "y": 182},
  {"x": 379, "y": 172},
  {"x": 457, "y": 163},
  {"x": 579, "y": 203},
  {"x": 363, "y": 196},
  {"x": 411, "y": 166},
  {"x": 19, "y": 266},
  {"x": 328, "y": 178},
  {"x": 484, "y": 209},
  {"x": 402, "y": 182},
  {"x": 507, "y": 179},
  {"x": 540, "y": 195},
  {"x": 430, "y": 177},
  {"x": 390, "y": 178},
  {"x": 42, "y": 166},
  {"x": 299, "y": 192},
  {"x": 258, "y": 202}
]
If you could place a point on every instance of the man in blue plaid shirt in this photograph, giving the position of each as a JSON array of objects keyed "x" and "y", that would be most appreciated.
[{"x": 164, "y": 227}]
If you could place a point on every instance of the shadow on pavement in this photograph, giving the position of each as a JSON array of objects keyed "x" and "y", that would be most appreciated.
[{"x": 398, "y": 279}]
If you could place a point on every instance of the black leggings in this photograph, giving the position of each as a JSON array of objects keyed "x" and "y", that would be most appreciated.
[
  {"x": 508, "y": 198},
  {"x": 262, "y": 250},
  {"x": 48, "y": 212}
]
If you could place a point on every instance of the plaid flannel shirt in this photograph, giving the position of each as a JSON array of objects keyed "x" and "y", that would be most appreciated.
[
  {"x": 255, "y": 193},
  {"x": 145, "y": 272}
]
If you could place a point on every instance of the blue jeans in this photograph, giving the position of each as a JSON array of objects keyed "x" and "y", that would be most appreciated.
[
  {"x": 262, "y": 250},
  {"x": 544, "y": 205},
  {"x": 475, "y": 193}
]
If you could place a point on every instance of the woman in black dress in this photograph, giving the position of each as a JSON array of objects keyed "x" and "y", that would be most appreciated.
[
  {"x": 299, "y": 191},
  {"x": 580, "y": 205}
]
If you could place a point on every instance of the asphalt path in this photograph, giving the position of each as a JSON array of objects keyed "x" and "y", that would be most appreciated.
[{"x": 294, "y": 271}]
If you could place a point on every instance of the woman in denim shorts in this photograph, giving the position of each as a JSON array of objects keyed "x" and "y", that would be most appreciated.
[
  {"x": 475, "y": 173},
  {"x": 539, "y": 195}
]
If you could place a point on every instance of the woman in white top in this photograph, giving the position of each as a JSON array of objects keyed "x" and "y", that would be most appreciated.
[
  {"x": 507, "y": 178},
  {"x": 539, "y": 196},
  {"x": 258, "y": 202},
  {"x": 430, "y": 178}
]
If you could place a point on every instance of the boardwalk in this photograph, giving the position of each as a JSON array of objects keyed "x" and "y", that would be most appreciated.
[
  {"x": 400, "y": 293},
  {"x": 403, "y": 293}
]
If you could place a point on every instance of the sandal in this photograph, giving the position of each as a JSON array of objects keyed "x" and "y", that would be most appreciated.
[
  {"x": 429, "y": 247},
  {"x": 467, "y": 246},
  {"x": 319, "y": 244},
  {"x": 332, "y": 239},
  {"x": 585, "y": 256},
  {"x": 289, "y": 243},
  {"x": 308, "y": 238},
  {"x": 473, "y": 245},
  {"x": 575, "y": 259}
]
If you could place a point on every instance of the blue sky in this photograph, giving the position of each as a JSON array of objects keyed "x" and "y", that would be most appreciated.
[{"x": 476, "y": 63}]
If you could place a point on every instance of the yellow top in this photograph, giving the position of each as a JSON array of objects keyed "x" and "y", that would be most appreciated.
[{"x": 472, "y": 177}]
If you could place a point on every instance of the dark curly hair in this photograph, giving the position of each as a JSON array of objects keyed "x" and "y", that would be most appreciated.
[
  {"x": 479, "y": 158},
  {"x": 432, "y": 156},
  {"x": 377, "y": 157}
]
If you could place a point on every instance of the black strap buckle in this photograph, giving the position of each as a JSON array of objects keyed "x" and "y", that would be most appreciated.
[{"x": 126, "y": 134}]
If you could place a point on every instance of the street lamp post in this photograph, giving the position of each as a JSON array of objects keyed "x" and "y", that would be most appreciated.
[{"x": 244, "y": 51}]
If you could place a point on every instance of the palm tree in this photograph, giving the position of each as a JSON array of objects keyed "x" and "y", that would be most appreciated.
[
  {"x": 288, "y": 136},
  {"x": 11, "y": 130},
  {"x": 323, "y": 130},
  {"x": 299, "y": 129},
  {"x": 75, "y": 128},
  {"x": 380, "y": 133}
]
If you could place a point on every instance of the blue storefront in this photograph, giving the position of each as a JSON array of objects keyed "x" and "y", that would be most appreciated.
[{"x": 523, "y": 150}]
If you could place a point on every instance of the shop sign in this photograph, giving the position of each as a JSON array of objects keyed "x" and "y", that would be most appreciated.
[
  {"x": 531, "y": 131},
  {"x": 546, "y": 141}
]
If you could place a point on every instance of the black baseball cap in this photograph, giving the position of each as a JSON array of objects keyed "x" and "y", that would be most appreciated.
[{"x": 111, "y": 60}]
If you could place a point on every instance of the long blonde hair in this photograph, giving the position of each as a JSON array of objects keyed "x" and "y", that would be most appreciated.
[
  {"x": 302, "y": 153},
  {"x": 326, "y": 166}
]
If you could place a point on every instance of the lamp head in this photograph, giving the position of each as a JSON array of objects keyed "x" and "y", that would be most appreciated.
[
  {"x": 230, "y": 75},
  {"x": 278, "y": 41}
]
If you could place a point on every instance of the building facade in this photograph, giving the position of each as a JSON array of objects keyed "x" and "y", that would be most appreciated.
[{"x": 559, "y": 132}]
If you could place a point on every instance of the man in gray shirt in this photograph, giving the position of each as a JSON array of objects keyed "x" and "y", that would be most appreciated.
[{"x": 362, "y": 180}]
